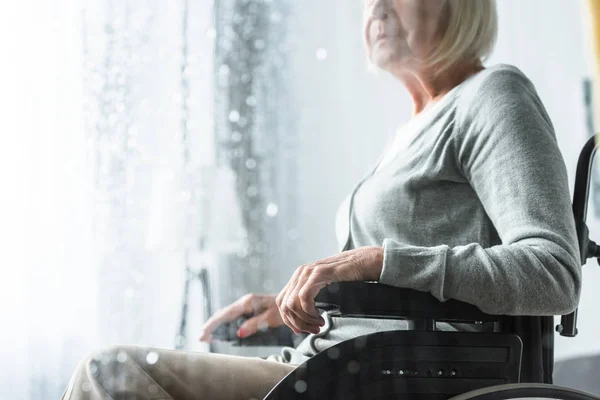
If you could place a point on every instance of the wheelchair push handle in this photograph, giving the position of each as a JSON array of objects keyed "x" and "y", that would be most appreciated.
[{"x": 587, "y": 248}]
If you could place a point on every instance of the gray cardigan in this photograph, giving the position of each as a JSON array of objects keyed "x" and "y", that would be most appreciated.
[{"x": 473, "y": 204}]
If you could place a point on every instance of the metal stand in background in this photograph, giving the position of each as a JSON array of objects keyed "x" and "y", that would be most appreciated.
[
  {"x": 190, "y": 277},
  {"x": 191, "y": 274}
]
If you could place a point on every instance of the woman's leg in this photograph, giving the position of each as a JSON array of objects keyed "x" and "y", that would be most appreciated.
[{"x": 143, "y": 373}]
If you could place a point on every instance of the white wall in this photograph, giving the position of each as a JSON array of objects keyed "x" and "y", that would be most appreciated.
[{"x": 346, "y": 115}]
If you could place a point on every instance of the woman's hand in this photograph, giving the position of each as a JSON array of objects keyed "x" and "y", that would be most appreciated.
[
  {"x": 296, "y": 301},
  {"x": 262, "y": 306}
]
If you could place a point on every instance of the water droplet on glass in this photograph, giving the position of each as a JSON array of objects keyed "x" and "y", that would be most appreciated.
[
  {"x": 250, "y": 163},
  {"x": 353, "y": 367},
  {"x": 334, "y": 287},
  {"x": 236, "y": 136},
  {"x": 333, "y": 353},
  {"x": 272, "y": 210},
  {"x": 224, "y": 69},
  {"x": 252, "y": 191},
  {"x": 360, "y": 342},
  {"x": 321, "y": 54},
  {"x": 86, "y": 386},
  {"x": 93, "y": 369},
  {"x": 121, "y": 356},
  {"x": 251, "y": 101},
  {"x": 234, "y": 116},
  {"x": 152, "y": 357},
  {"x": 300, "y": 386}
]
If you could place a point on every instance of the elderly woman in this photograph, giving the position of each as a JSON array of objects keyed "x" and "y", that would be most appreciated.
[{"x": 470, "y": 202}]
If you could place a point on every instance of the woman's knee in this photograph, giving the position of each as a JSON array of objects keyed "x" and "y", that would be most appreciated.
[
  {"x": 121, "y": 370},
  {"x": 95, "y": 371},
  {"x": 105, "y": 361}
]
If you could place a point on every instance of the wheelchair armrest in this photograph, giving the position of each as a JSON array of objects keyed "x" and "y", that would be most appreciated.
[
  {"x": 363, "y": 300},
  {"x": 376, "y": 300}
]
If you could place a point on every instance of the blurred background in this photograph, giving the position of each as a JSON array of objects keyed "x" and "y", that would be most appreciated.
[{"x": 145, "y": 144}]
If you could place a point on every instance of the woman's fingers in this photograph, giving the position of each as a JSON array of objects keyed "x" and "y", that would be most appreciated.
[
  {"x": 252, "y": 326},
  {"x": 281, "y": 302},
  {"x": 291, "y": 325},
  {"x": 268, "y": 319},
  {"x": 297, "y": 323},
  {"x": 306, "y": 298},
  {"x": 296, "y": 301},
  {"x": 248, "y": 304}
]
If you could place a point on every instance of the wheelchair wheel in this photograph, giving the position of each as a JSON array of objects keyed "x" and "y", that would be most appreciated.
[{"x": 525, "y": 391}]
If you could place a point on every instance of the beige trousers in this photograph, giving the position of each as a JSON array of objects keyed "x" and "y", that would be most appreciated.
[{"x": 138, "y": 373}]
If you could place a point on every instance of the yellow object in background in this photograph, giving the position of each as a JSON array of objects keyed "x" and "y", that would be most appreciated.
[{"x": 594, "y": 9}]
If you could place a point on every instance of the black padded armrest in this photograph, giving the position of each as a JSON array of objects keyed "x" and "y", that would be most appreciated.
[{"x": 376, "y": 300}]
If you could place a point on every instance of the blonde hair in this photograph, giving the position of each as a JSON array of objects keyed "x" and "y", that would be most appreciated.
[{"x": 471, "y": 32}]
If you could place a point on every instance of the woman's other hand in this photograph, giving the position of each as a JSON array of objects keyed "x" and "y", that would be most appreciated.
[
  {"x": 263, "y": 307},
  {"x": 296, "y": 301}
]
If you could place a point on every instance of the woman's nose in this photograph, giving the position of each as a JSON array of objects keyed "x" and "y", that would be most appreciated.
[{"x": 380, "y": 12}]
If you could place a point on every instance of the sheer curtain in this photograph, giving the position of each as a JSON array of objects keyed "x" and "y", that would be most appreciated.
[{"x": 96, "y": 207}]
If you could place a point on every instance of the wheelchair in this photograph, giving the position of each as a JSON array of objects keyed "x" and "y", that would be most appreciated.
[{"x": 514, "y": 361}]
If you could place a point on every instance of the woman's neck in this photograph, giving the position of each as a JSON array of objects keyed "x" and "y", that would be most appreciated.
[{"x": 427, "y": 88}]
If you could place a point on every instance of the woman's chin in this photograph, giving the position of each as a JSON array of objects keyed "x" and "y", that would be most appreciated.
[{"x": 386, "y": 60}]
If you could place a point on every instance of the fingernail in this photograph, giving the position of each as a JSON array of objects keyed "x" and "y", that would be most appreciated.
[{"x": 241, "y": 333}]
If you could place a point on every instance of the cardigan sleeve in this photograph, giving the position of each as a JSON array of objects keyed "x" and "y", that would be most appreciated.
[{"x": 508, "y": 153}]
